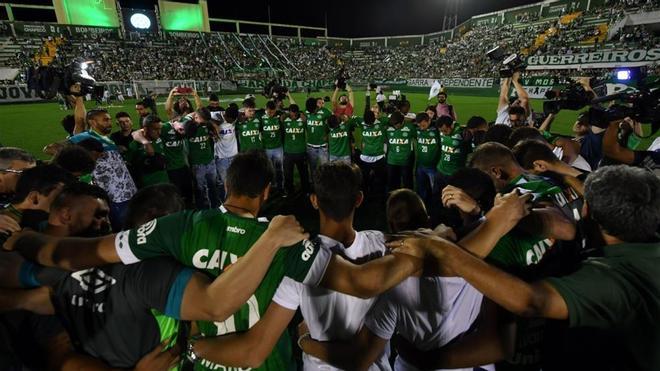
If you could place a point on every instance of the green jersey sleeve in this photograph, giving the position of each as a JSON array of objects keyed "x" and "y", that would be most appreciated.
[
  {"x": 307, "y": 261},
  {"x": 159, "y": 237}
]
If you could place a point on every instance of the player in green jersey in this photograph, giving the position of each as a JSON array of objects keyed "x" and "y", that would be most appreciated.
[
  {"x": 146, "y": 154},
  {"x": 316, "y": 128},
  {"x": 400, "y": 138},
  {"x": 372, "y": 157},
  {"x": 294, "y": 149},
  {"x": 271, "y": 131},
  {"x": 454, "y": 146},
  {"x": 427, "y": 151},
  {"x": 249, "y": 130},
  {"x": 200, "y": 155},
  {"x": 174, "y": 148},
  {"x": 212, "y": 240},
  {"x": 340, "y": 137}
]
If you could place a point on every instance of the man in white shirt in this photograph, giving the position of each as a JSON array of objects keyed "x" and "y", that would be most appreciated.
[
  {"x": 513, "y": 117},
  {"x": 226, "y": 146}
]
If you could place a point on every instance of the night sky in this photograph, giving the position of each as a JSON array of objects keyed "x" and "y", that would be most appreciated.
[
  {"x": 349, "y": 18},
  {"x": 345, "y": 18}
]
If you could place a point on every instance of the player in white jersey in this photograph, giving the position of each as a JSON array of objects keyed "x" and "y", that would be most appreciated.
[{"x": 427, "y": 312}]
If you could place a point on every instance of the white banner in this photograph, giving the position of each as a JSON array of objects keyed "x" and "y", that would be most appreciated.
[
  {"x": 17, "y": 93},
  {"x": 454, "y": 83},
  {"x": 599, "y": 59}
]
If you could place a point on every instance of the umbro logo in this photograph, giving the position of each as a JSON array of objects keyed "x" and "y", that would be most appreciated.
[{"x": 93, "y": 280}]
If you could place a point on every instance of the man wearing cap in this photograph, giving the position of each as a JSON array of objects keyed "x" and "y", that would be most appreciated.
[{"x": 199, "y": 135}]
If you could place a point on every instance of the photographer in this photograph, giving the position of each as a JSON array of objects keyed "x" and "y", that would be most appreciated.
[
  {"x": 615, "y": 296},
  {"x": 614, "y": 150},
  {"x": 345, "y": 104},
  {"x": 506, "y": 113}
]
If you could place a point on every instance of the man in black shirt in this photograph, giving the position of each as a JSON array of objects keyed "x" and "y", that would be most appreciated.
[{"x": 123, "y": 137}]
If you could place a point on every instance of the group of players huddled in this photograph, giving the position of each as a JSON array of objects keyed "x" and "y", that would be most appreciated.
[{"x": 489, "y": 228}]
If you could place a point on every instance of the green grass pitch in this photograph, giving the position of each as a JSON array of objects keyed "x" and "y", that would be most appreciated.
[{"x": 32, "y": 126}]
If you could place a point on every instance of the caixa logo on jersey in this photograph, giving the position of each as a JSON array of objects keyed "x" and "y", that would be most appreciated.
[{"x": 144, "y": 231}]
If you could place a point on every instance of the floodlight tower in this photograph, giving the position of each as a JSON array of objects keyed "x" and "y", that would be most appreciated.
[{"x": 450, "y": 18}]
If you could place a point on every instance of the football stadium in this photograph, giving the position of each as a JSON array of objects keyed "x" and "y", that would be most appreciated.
[{"x": 380, "y": 185}]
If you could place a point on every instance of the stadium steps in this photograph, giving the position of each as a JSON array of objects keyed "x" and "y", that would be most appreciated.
[
  {"x": 569, "y": 18},
  {"x": 602, "y": 35}
]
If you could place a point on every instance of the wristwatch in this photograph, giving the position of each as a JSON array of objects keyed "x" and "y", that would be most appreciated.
[{"x": 190, "y": 354}]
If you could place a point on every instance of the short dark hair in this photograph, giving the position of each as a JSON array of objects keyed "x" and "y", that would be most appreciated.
[
  {"x": 271, "y": 105},
  {"x": 476, "y": 122},
  {"x": 92, "y": 114},
  {"x": 517, "y": 110},
  {"x": 624, "y": 201},
  {"x": 68, "y": 123},
  {"x": 476, "y": 184},
  {"x": 9, "y": 154},
  {"x": 75, "y": 159},
  {"x": 442, "y": 93},
  {"x": 421, "y": 117},
  {"x": 430, "y": 108},
  {"x": 249, "y": 103},
  {"x": 531, "y": 150},
  {"x": 294, "y": 108},
  {"x": 405, "y": 211},
  {"x": 152, "y": 202},
  {"x": 91, "y": 145},
  {"x": 396, "y": 118},
  {"x": 213, "y": 97},
  {"x": 524, "y": 133},
  {"x": 77, "y": 189},
  {"x": 310, "y": 104},
  {"x": 141, "y": 103},
  {"x": 499, "y": 134},
  {"x": 231, "y": 113},
  {"x": 42, "y": 179},
  {"x": 337, "y": 187},
  {"x": 122, "y": 114},
  {"x": 445, "y": 121},
  {"x": 491, "y": 154},
  {"x": 150, "y": 119},
  {"x": 249, "y": 174},
  {"x": 369, "y": 117}
]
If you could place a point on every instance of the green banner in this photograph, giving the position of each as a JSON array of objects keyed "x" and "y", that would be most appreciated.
[
  {"x": 73, "y": 31},
  {"x": 404, "y": 41},
  {"x": 339, "y": 43},
  {"x": 490, "y": 20},
  {"x": 369, "y": 43}
]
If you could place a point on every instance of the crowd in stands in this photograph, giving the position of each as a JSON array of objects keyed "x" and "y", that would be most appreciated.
[
  {"x": 226, "y": 55},
  {"x": 509, "y": 246}
]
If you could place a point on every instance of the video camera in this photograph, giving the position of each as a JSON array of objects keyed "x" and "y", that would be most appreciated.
[
  {"x": 572, "y": 97},
  {"x": 510, "y": 64},
  {"x": 342, "y": 77},
  {"x": 275, "y": 90},
  {"x": 47, "y": 81},
  {"x": 642, "y": 104},
  {"x": 394, "y": 102}
]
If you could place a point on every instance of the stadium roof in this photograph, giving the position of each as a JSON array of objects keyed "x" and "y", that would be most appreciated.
[{"x": 351, "y": 18}]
